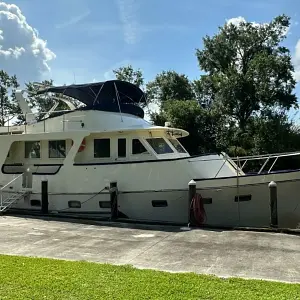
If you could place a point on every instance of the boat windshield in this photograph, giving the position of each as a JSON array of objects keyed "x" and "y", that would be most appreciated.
[
  {"x": 159, "y": 145},
  {"x": 177, "y": 145}
]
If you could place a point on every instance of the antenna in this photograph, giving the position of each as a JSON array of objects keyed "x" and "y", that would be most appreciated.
[{"x": 74, "y": 77}]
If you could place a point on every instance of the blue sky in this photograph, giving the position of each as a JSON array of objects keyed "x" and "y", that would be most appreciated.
[
  {"x": 92, "y": 37},
  {"x": 76, "y": 41}
]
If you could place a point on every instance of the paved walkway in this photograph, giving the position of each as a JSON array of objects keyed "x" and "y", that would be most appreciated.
[{"x": 224, "y": 253}]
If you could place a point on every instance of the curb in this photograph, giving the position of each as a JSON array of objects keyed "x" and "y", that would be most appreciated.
[{"x": 106, "y": 221}]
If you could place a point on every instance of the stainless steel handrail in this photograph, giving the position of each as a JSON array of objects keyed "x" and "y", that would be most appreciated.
[
  {"x": 6, "y": 185},
  {"x": 9, "y": 183}
]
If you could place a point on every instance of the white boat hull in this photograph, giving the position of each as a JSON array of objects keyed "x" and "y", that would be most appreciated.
[{"x": 223, "y": 210}]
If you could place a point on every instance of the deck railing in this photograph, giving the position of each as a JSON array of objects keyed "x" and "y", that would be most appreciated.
[
  {"x": 239, "y": 163},
  {"x": 242, "y": 161},
  {"x": 18, "y": 122},
  {"x": 266, "y": 158}
]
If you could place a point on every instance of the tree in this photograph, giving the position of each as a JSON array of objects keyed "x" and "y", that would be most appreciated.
[
  {"x": 247, "y": 70},
  {"x": 8, "y": 106},
  {"x": 273, "y": 132},
  {"x": 203, "y": 125},
  {"x": 169, "y": 85},
  {"x": 174, "y": 94},
  {"x": 127, "y": 73}
]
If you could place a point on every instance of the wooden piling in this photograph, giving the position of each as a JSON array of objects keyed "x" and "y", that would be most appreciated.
[
  {"x": 114, "y": 199},
  {"x": 192, "y": 192},
  {"x": 45, "y": 204},
  {"x": 273, "y": 204}
]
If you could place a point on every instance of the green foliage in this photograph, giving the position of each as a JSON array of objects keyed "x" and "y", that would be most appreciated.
[
  {"x": 127, "y": 73},
  {"x": 43, "y": 103},
  {"x": 206, "y": 91},
  {"x": 272, "y": 132},
  {"x": 247, "y": 69},
  {"x": 8, "y": 106},
  {"x": 169, "y": 85},
  {"x": 202, "y": 124},
  {"x": 40, "y": 278}
]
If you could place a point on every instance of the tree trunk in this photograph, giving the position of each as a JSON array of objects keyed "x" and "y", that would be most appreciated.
[{"x": 2, "y": 108}]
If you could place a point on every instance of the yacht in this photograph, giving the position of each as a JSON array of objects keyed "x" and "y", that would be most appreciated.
[{"x": 81, "y": 152}]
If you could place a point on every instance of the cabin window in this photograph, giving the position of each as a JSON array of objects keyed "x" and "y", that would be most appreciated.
[
  {"x": 13, "y": 169},
  {"x": 57, "y": 149},
  {"x": 122, "y": 147},
  {"x": 101, "y": 148},
  {"x": 33, "y": 149},
  {"x": 177, "y": 145},
  {"x": 160, "y": 146},
  {"x": 138, "y": 147}
]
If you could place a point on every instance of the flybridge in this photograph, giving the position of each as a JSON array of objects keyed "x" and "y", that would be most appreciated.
[{"x": 111, "y": 96}]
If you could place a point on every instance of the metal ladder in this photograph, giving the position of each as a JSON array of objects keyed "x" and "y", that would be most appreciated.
[{"x": 6, "y": 203}]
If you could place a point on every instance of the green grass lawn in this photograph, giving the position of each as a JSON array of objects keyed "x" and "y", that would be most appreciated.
[{"x": 35, "y": 278}]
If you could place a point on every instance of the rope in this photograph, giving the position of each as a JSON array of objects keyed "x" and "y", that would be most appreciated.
[
  {"x": 238, "y": 188},
  {"x": 85, "y": 200},
  {"x": 198, "y": 210},
  {"x": 114, "y": 204}
]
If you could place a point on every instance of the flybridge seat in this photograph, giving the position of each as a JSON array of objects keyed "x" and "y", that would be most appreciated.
[{"x": 112, "y": 96}]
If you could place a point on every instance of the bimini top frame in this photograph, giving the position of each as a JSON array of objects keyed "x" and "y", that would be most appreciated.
[{"x": 113, "y": 95}]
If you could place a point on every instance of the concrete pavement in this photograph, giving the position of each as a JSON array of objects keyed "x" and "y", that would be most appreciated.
[{"x": 245, "y": 254}]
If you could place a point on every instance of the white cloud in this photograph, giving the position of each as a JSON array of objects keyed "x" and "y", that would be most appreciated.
[
  {"x": 296, "y": 60},
  {"x": 236, "y": 21},
  {"x": 22, "y": 52},
  {"x": 128, "y": 17},
  {"x": 74, "y": 20}
]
